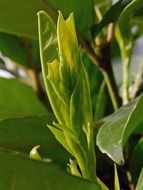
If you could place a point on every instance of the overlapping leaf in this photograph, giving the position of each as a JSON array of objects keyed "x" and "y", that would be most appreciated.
[
  {"x": 23, "y": 133},
  {"x": 19, "y": 17},
  {"x": 20, "y": 173},
  {"x": 117, "y": 129},
  {"x": 67, "y": 87},
  {"x": 111, "y": 15},
  {"x": 129, "y": 12},
  {"x": 16, "y": 98}
]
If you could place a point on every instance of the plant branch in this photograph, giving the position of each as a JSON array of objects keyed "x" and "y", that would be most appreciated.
[
  {"x": 110, "y": 32},
  {"x": 104, "y": 64},
  {"x": 125, "y": 50}
]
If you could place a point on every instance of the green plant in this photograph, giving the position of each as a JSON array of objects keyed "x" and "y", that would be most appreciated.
[{"x": 88, "y": 112}]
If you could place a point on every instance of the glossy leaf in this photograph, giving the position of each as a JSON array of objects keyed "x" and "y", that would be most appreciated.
[
  {"x": 140, "y": 181},
  {"x": 120, "y": 125},
  {"x": 18, "y": 99},
  {"x": 49, "y": 54},
  {"x": 48, "y": 37},
  {"x": 19, "y": 172},
  {"x": 22, "y": 134}
]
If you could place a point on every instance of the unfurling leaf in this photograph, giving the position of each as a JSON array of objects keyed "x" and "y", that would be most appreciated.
[
  {"x": 68, "y": 90},
  {"x": 73, "y": 168},
  {"x": 34, "y": 153},
  {"x": 116, "y": 179}
]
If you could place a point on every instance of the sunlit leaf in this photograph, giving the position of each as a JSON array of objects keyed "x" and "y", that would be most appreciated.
[{"x": 116, "y": 179}]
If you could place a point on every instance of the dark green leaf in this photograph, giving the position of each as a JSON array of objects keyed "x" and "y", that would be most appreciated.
[
  {"x": 117, "y": 129},
  {"x": 136, "y": 161},
  {"x": 101, "y": 102},
  {"x": 129, "y": 12},
  {"x": 11, "y": 47},
  {"x": 19, "y": 17},
  {"x": 20, "y": 50},
  {"x": 19, "y": 173},
  {"x": 22, "y": 134},
  {"x": 83, "y": 13},
  {"x": 111, "y": 15},
  {"x": 116, "y": 179},
  {"x": 17, "y": 98}
]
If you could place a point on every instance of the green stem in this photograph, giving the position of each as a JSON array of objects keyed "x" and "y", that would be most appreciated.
[
  {"x": 82, "y": 158},
  {"x": 112, "y": 88},
  {"x": 126, "y": 50},
  {"x": 91, "y": 155}
]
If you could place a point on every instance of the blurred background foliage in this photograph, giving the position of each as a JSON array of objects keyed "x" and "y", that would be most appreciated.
[{"x": 24, "y": 108}]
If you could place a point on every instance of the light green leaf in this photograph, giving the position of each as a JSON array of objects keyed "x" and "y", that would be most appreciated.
[
  {"x": 34, "y": 153},
  {"x": 117, "y": 129},
  {"x": 140, "y": 181},
  {"x": 81, "y": 115},
  {"x": 20, "y": 173},
  {"x": 68, "y": 53},
  {"x": 47, "y": 37},
  {"x": 59, "y": 135},
  {"x": 48, "y": 53},
  {"x": 58, "y": 87},
  {"x": 103, "y": 186},
  {"x": 116, "y": 179},
  {"x": 73, "y": 168},
  {"x": 59, "y": 108},
  {"x": 66, "y": 84},
  {"x": 18, "y": 99}
]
